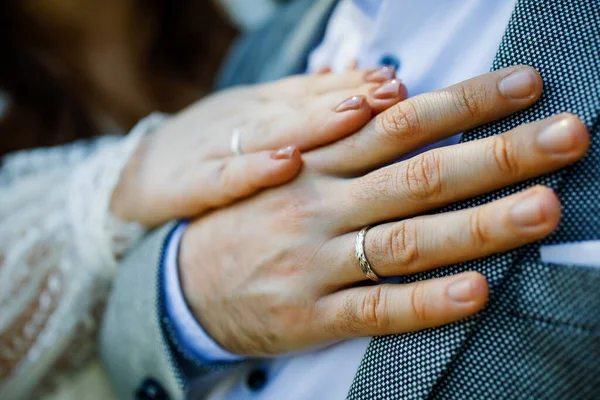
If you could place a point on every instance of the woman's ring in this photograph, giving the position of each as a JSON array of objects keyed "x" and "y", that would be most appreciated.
[{"x": 236, "y": 143}]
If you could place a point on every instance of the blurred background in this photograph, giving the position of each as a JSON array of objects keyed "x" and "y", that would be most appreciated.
[
  {"x": 249, "y": 14},
  {"x": 75, "y": 69}
]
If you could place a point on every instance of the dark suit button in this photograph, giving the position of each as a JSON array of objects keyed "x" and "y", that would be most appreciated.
[
  {"x": 150, "y": 389},
  {"x": 257, "y": 379},
  {"x": 391, "y": 60}
]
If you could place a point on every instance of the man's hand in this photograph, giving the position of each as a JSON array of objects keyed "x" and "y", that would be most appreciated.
[{"x": 277, "y": 272}]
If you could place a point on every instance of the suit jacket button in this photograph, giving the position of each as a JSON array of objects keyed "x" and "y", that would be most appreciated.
[
  {"x": 150, "y": 389},
  {"x": 391, "y": 60},
  {"x": 257, "y": 379}
]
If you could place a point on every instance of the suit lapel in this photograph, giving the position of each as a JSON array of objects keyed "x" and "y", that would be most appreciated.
[
  {"x": 280, "y": 48},
  {"x": 561, "y": 39}
]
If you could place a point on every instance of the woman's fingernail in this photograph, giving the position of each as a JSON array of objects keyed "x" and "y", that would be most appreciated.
[
  {"x": 381, "y": 74},
  {"x": 286, "y": 153},
  {"x": 388, "y": 90},
  {"x": 530, "y": 211},
  {"x": 518, "y": 85},
  {"x": 462, "y": 291},
  {"x": 557, "y": 137},
  {"x": 353, "y": 103}
]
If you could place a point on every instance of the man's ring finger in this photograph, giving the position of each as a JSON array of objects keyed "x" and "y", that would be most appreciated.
[{"x": 361, "y": 257}]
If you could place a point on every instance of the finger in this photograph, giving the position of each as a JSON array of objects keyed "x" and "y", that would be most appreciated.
[
  {"x": 352, "y": 65},
  {"x": 380, "y": 96},
  {"x": 422, "y": 243},
  {"x": 389, "y": 309},
  {"x": 223, "y": 181},
  {"x": 323, "y": 70},
  {"x": 448, "y": 174},
  {"x": 430, "y": 117},
  {"x": 380, "y": 74},
  {"x": 314, "y": 85},
  {"x": 325, "y": 119},
  {"x": 314, "y": 126}
]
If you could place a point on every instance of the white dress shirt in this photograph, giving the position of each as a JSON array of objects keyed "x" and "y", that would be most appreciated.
[{"x": 434, "y": 44}]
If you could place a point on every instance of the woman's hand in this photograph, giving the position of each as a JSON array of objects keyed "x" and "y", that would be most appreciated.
[
  {"x": 277, "y": 272},
  {"x": 187, "y": 166}
]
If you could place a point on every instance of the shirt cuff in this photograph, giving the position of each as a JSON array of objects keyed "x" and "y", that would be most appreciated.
[{"x": 188, "y": 332}]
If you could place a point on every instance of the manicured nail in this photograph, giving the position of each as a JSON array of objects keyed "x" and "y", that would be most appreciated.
[
  {"x": 518, "y": 85},
  {"x": 462, "y": 291},
  {"x": 381, "y": 74},
  {"x": 557, "y": 137},
  {"x": 529, "y": 211},
  {"x": 353, "y": 103},
  {"x": 388, "y": 90},
  {"x": 286, "y": 153}
]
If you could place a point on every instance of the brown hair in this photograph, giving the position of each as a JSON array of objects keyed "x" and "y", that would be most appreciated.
[{"x": 188, "y": 40}]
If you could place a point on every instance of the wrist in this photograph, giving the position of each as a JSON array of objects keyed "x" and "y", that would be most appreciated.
[
  {"x": 196, "y": 285},
  {"x": 185, "y": 331},
  {"x": 129, "y": 201},
  {"x": 187, "y": 269},
  {"x": 123, "y": 203}
]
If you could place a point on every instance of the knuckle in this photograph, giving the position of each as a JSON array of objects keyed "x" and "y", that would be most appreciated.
[
  {"x": 298, "y": 104},
  {"x": 311, "y": 85},
  {"x": 374, "y": 309},
  {"x": 470, "y": 100},
  {"x": 224, "y": 181},
  {"x": 399, "y": 123},
  {"x": 418, "y": 303},
  {"x": 477, "y": 229},
  {"x": 294, "y": 212},
  {"x": 421, "y": 176},
  {"x": 262, "y": 128},
  {"x": 402, "y": 245},
  {"x": 504, "y": 155}
]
